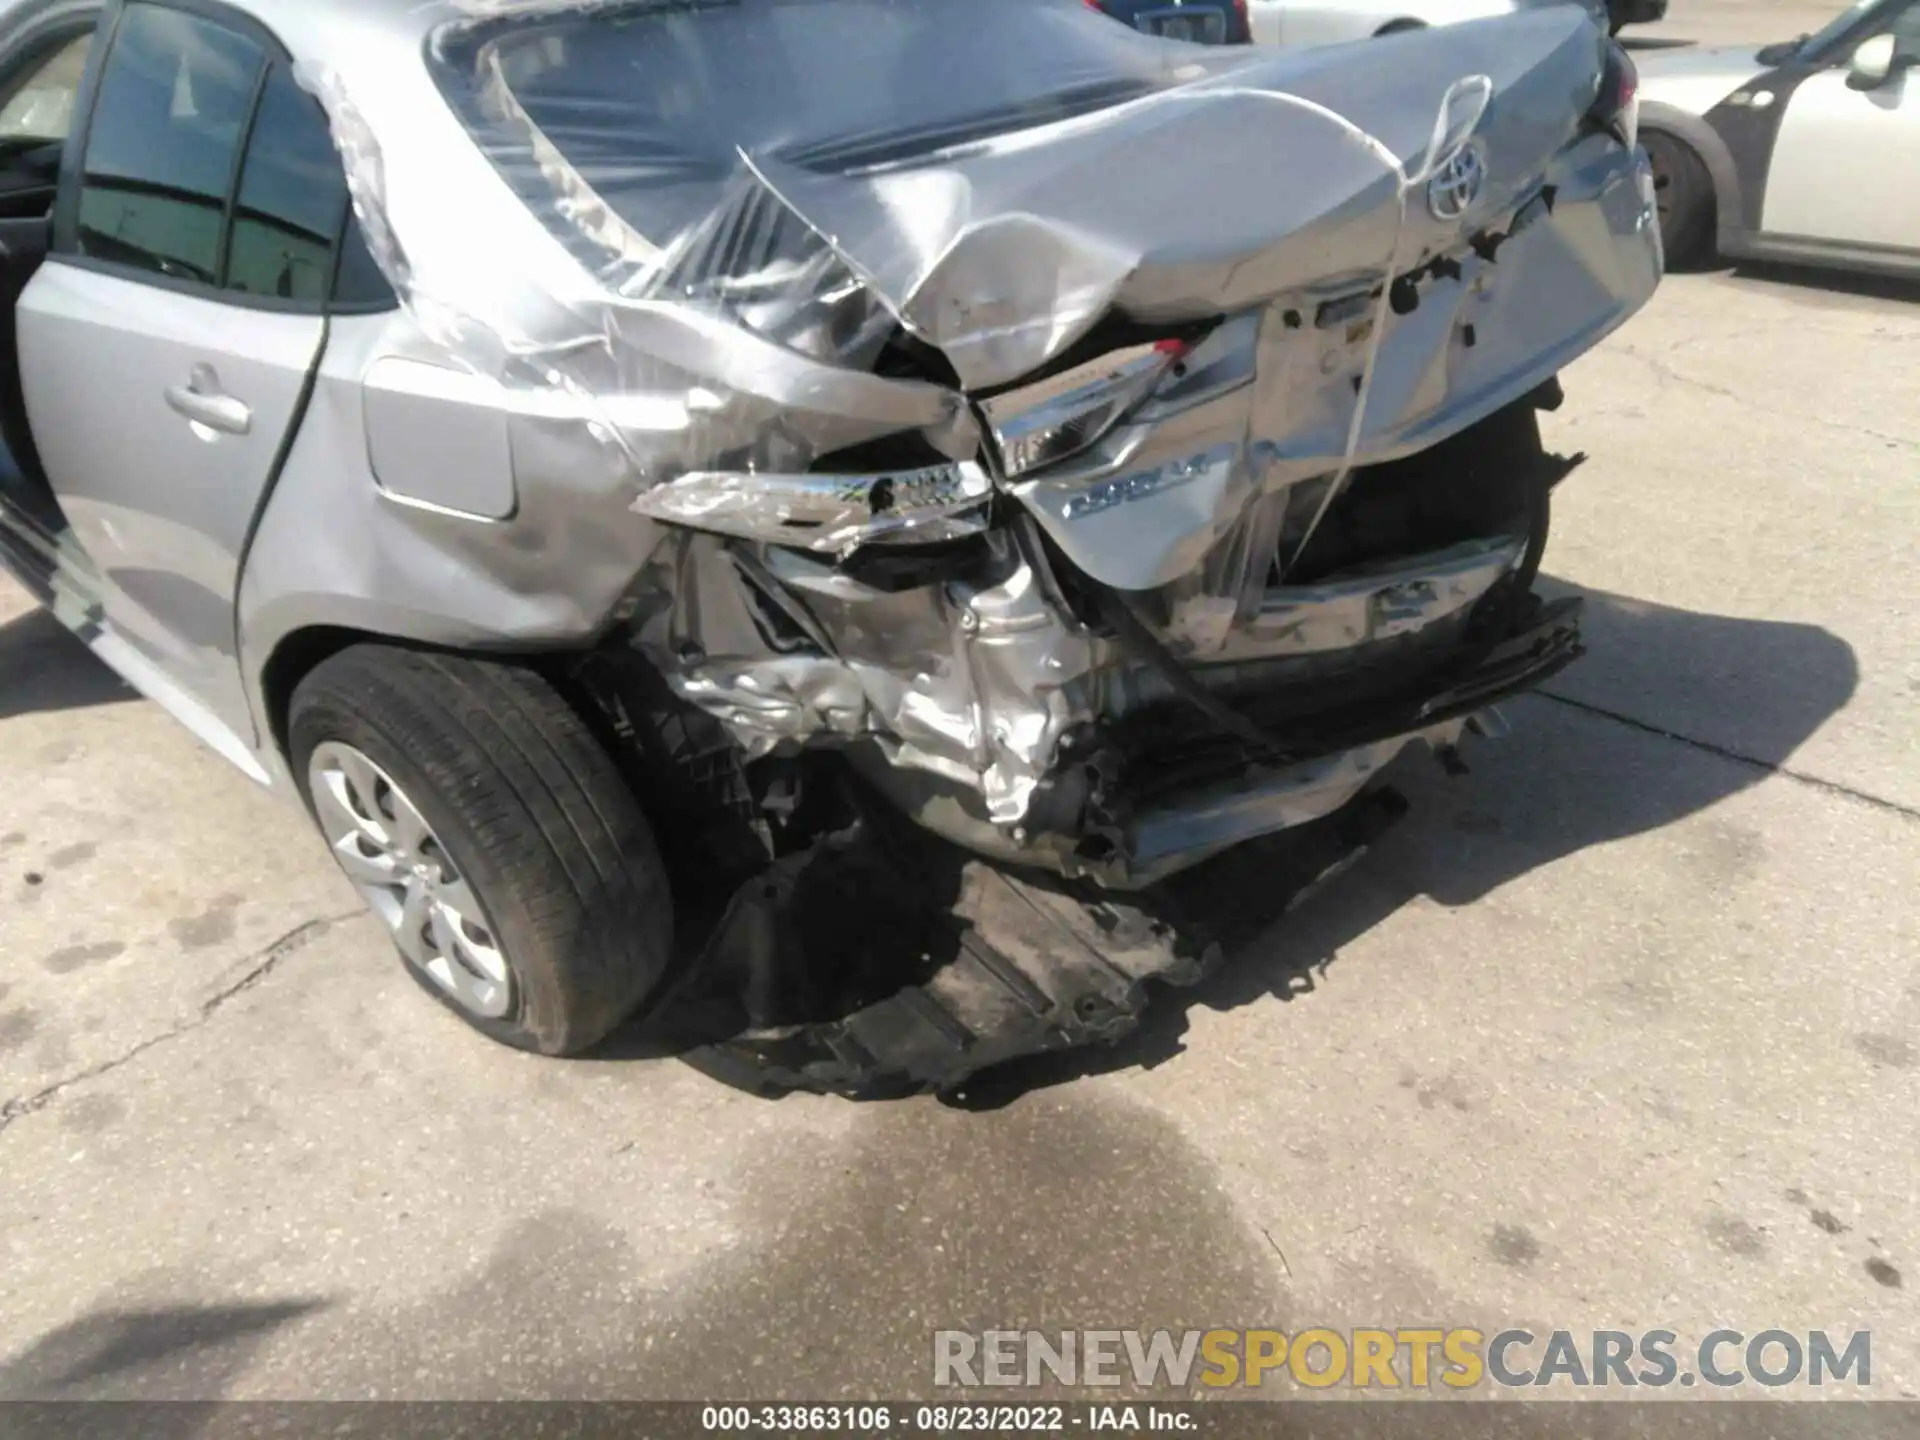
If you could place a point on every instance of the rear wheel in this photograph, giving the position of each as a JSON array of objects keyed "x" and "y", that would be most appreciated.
[
  {"x": 493, "y": 837},
  {"x": 1683, "y": 192},
  {"x": 1399, "y": 27}
]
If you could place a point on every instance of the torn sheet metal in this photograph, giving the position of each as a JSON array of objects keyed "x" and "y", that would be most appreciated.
[
  {"x": 973, "y": 682},
  {"x": 715, "y": 182},
  {"x": 808, "y": 280}
]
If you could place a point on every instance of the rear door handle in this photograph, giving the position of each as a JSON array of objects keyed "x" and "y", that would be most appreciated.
[{"x": 202, "y": 401}]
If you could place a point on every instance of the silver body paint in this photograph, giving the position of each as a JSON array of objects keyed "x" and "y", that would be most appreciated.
[{"x": 573, "y": 427}]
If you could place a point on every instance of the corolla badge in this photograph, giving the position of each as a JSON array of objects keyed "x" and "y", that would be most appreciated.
[{"x": 1457, "y": 183}]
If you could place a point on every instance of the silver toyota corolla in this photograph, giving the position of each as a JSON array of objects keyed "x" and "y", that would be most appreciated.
[{"x": 596, "y": 457}]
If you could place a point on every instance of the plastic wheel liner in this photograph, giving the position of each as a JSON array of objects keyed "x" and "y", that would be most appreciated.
[
  {"x": 984, "y": 370},
  {"x": 1010, "y": 964}
]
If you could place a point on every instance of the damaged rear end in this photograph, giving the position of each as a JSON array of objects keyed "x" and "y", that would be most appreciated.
[{"x": 1111, "y": 450}]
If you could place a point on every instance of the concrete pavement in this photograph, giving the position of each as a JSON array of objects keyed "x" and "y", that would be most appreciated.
[{"x": 1622, "y": 1030}]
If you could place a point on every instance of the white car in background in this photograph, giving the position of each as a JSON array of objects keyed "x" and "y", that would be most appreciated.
[
  {"x": 1327, "y": 22},
  {"x": 1806, "y": 151}
]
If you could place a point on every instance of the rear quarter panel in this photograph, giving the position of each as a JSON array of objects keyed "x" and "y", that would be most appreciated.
[{"x": 335, "y": 550}]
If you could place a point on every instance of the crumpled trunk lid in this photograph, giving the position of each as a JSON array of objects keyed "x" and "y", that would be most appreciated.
[
  {"x": 1242, "y": 182},
  {"x": 759, "y": 217}
]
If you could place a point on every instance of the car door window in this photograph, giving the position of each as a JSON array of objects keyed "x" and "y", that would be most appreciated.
[
  {"x": 39, "y": 106},
  {"x": 360, "y": 283},
  {"x": 292, "y": 198},
  {"x": 163, "y": 142},
  {"x": 1906, "y": 34}
]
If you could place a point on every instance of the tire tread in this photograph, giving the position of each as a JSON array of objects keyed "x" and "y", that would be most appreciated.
[
  {"x": 1689, "y": 240},
  {"x": 534, "y": 812}
]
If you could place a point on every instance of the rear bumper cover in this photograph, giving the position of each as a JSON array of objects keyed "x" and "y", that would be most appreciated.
[{"x": 1226, "y": 798}]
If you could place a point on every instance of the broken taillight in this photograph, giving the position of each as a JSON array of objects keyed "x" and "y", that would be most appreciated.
[
  {"x": 1616, "y": 109},
  {"x": 1038, "y": 424}
]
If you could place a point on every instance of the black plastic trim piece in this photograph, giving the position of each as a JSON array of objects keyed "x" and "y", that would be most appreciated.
[{"x": 259, "y": 515}]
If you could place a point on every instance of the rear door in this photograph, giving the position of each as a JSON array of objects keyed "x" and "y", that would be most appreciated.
[
  {"x": 1845, "y": 168},
  {"x": 41, "y": 71},
  {"x": 168, "y": 342}
]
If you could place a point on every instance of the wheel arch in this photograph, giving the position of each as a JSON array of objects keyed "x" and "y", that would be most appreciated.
[
  {"x": 296, "y": 654},
  {"x": 1700, "y": 137},
  {"x": 291, "y": 661},
  {"x": 538, "y": 854},
  {"x": 1400, "y": 26}
]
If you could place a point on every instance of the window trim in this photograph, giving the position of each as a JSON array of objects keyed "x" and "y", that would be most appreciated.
[
  {"x": 38, "y": 44},
  {"x": 1888, "y": 27},
  {"x": 223, "y": 263},
  {"x": 66, "y": 210},
  {"x": 386, "y": 304}
]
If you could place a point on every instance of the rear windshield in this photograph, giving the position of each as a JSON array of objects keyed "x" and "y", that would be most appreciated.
[{"x": 651, "y": 104}]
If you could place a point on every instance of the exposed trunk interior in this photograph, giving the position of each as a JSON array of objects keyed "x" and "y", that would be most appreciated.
[{"x": 1471, "y": 486}]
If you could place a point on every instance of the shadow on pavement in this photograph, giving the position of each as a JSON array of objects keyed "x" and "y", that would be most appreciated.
[
  {"x": 1900, "y": 290},
  {"x": 116, "y": 1352},
  {"x": 1559, "y": 786},
  {"x": 1670, "y": 713},
  {"x": 1757, "y": 689},
  {"x": 44, "y": 667}
]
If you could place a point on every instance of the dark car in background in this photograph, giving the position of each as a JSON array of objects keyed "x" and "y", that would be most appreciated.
[
  {"x": 1621, "y": 13},
  {"x": 1206, "y": 22},
  {"x": 1324, "y": 22}
]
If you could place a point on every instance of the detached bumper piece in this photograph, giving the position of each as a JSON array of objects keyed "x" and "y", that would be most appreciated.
[
  {"x": 884, "y": 961},
  {"x": 1027, "y": 969},
  {"x": 1016, "y": 966}
]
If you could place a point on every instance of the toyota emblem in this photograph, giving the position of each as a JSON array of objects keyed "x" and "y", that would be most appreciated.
[{"x": 1456, "y": 184}]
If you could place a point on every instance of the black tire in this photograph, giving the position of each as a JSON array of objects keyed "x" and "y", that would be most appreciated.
[
  {"x": 1399, "y": 27},
  {"x": 530, "y": 810},
  {"x": 1683, "y": 190}
]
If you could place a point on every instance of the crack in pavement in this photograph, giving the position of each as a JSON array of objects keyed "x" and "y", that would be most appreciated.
[
  {"x": 1833, "y": 787},
  {"x": 269, "y": 959},
  {"x": 291, "y": 943},
  {"x": 1668, "y": 371},
  {"x": 304, "y": 935}
]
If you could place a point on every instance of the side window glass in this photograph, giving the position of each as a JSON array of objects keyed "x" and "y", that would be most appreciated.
[
  {"x": 360, "y": 282},
  {"x": 166, "y": 134},
  {"x": 39, "y": 106},
  {"x": 292, "y": 195},
  {"x": 1906, "y": 34}
]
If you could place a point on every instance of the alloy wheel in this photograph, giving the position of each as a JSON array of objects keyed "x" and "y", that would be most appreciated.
[{"x": 389, "y": 852}]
